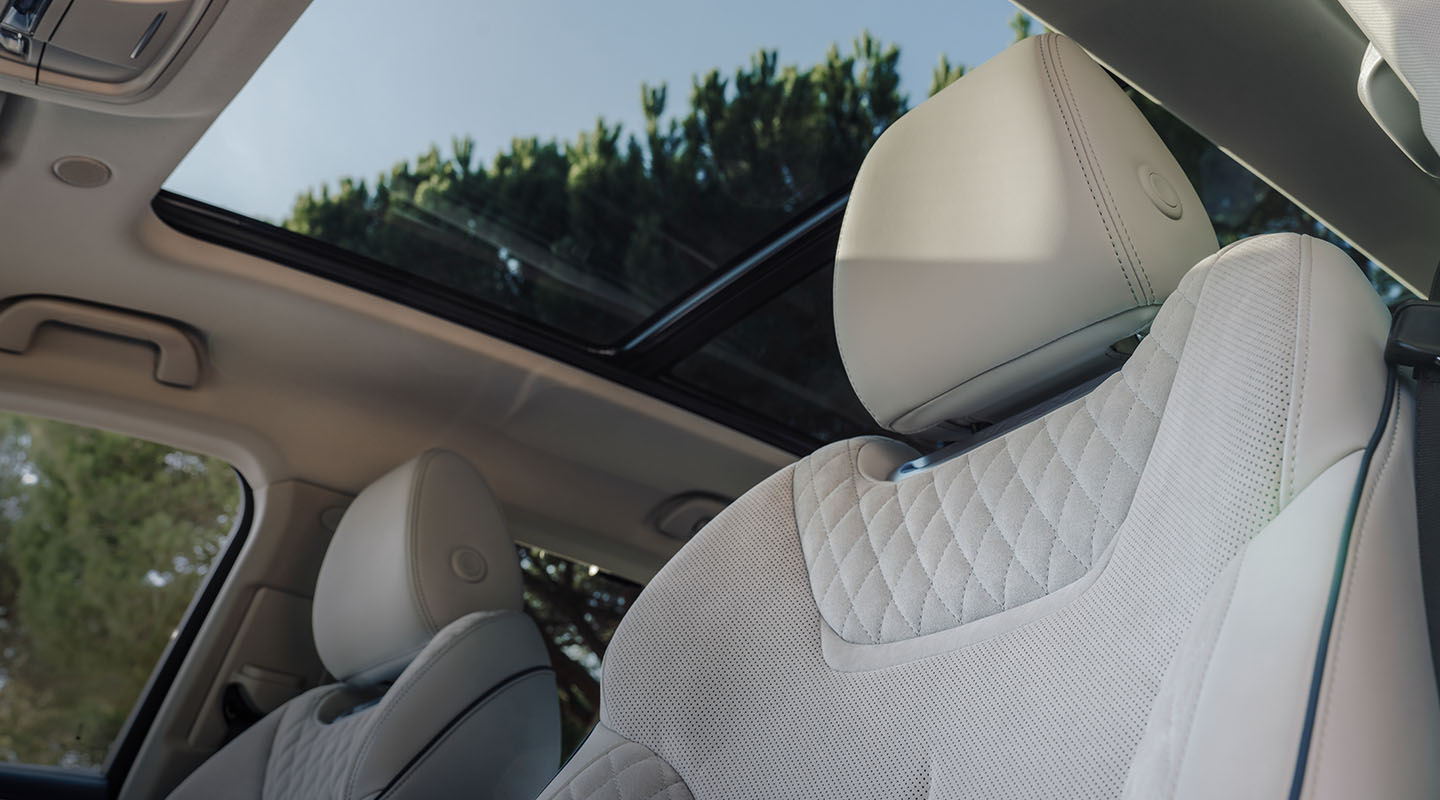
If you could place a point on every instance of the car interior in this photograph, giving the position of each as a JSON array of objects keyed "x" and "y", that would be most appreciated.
[{"x": 1059, "y": 421}]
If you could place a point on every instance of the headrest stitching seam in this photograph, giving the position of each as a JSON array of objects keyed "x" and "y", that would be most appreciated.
[
  {"x": 413, "y": 534},
  {"x": 1060, "y": 105},
  {"x": 1129, "y": 244}
]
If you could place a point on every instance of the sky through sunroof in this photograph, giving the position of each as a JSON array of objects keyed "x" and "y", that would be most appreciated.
[{"x": 353, "y": 88}]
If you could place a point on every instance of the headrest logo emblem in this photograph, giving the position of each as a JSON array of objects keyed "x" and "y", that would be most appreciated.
[{"x": 468, "y": 565}]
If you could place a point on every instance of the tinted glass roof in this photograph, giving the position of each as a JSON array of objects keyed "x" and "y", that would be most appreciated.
[{"x": 580, "y": 167}]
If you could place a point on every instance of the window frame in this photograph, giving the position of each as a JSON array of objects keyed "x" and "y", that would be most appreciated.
[
  {"x": 40, "y": 782},
  {"x": 640, "y": 360}
]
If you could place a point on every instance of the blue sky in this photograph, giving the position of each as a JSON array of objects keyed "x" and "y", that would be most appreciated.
[{"x": 350, "y": 92}]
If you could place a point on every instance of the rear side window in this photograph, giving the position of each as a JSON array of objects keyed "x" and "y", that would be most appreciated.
[
  {"x": 577, "y": 607},
  {"x": 104, "y": 541}
]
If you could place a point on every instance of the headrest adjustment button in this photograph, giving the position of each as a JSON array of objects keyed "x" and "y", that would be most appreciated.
[
  {"x": 468, "y": 565},
  {"x": 1160, "y": 191}
]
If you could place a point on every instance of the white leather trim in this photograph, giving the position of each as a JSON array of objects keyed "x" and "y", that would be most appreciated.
[
  {"x": 1377, "y": 729},
  {"x": 1342, "y": 322},
  {"x": 241, "y": 770},
  {"x": 1259, "y": 666},
  {"x": 510, "y": 740},
  {"x": 1001, "y": 231},
  {"x": 472, "y": 657},
  {"x": 388, "y": 582}
]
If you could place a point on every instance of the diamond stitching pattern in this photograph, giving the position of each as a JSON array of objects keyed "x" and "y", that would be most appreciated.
[
  {"x": 628, "y": 771},
  {"x": 999, "y": 526},
  {"x": 308, "y": 759}
]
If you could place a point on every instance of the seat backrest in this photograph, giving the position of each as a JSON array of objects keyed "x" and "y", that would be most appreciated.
[
  {"x": 1122, "y": 597},
  {"x": 444, "y": 684}
]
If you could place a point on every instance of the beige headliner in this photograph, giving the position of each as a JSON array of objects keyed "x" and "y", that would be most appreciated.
[{"x": 308, "y": 379}]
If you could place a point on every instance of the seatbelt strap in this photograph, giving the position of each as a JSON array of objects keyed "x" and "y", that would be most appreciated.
[{"x": 1415, "y": 342}]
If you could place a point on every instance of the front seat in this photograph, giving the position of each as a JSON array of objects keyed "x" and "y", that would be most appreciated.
[
  {"x": 1126, "y": 596},
  {"x": 444, "y": 686}
]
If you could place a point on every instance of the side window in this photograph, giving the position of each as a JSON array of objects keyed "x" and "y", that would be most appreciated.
[
  {"x": 1240, "y": 204},
  {"x": 104, "y": 540},
  {"x": 577, "y": 608}
]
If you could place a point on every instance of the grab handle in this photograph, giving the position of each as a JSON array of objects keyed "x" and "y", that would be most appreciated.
[{"x": 177, "y": 360}]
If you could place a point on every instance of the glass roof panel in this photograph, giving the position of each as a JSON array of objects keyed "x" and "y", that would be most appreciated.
[{"x": 579, "y": 165}]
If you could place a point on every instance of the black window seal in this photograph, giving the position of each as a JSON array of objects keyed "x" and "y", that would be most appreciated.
[
  {"x": 142, "y": 717},
  {"x": 39, "y": 782},
  {"x": 760, "y": 275},
  {"x": 639, "y": 363}
]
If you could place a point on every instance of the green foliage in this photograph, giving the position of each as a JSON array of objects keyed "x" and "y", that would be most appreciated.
[
  {"x": 1020, "y": 25},
  {"x": 593, "y": 235},
  {"x": 104, "y": 540},
  {"x": 945, "y": 74}
]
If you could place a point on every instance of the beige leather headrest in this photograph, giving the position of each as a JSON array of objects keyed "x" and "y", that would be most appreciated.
[
  {"x": 419, "y": 548},
  {"x": 1003, "y": 235}
]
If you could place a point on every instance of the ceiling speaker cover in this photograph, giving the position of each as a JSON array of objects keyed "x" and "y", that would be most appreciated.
[{"x": 81, "y": 171}]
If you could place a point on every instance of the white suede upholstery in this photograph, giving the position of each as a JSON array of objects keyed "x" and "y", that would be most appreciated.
[
  {"x": 1002, "y": 235},
  {"x": 1121, "y": 598},
  {"x": 473, "y": 708}
]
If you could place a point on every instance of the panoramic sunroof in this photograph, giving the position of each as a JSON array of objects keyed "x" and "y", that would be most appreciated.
[
  {"x": 580, "y": 165},
  {"x": 651, "y": 192}
]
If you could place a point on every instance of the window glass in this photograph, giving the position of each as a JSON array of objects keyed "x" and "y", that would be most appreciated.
[
  {"x": 781, "y": 361},
  {"x": 482, "y": 168},
  {"x": 1240, "y": 204},
  {"x": 577, "y": 607},
  {"x": 104, "y": 541}
]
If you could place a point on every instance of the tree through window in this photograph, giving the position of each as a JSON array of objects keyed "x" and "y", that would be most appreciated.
[
  {"x": 577, "y": 607},
  {"x": 104, "y": 541}
]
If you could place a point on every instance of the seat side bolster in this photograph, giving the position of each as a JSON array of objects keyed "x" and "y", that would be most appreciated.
[
  {"x": 1377, "y": 728},
  {"x": 1337, "y": 387},
  {"x": 239, "y": 767},
  {"x": 1227, "y": 720},
  {"x": 610, "y": 767},
  {"x": 461, "y": 668},
  {"x": 510, "y": 740}
]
